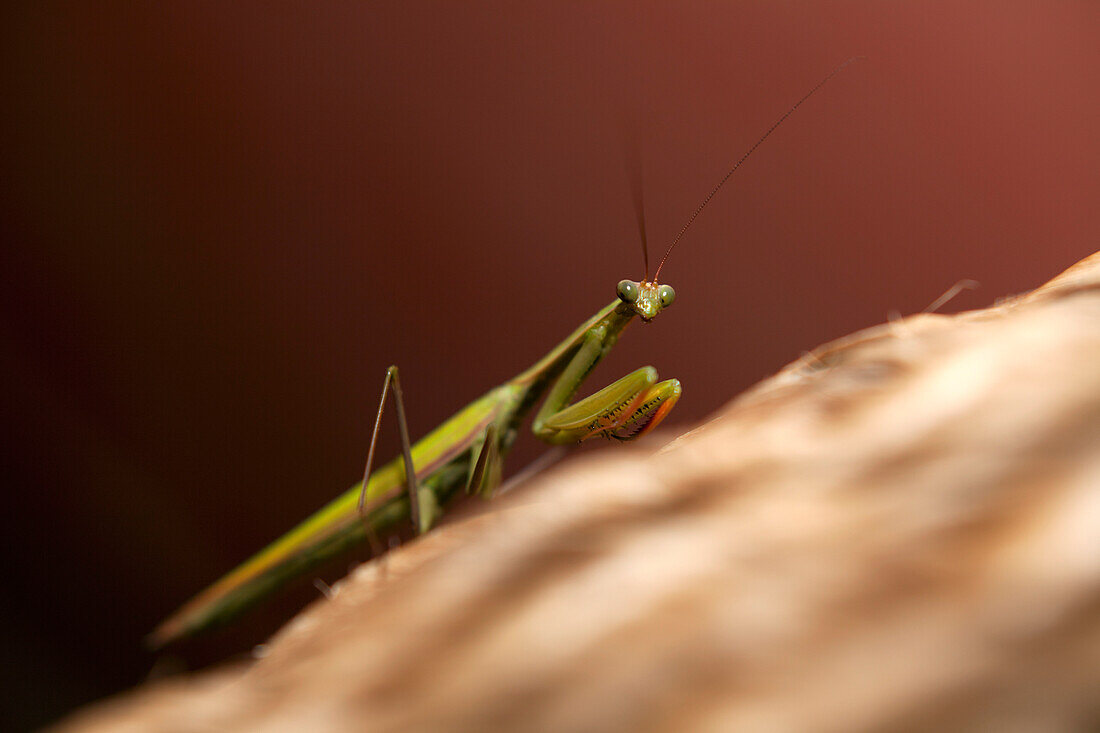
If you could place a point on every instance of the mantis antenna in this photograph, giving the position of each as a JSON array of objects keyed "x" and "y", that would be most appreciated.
[
  {"x": 744, "y": 157},
  {"x": 634, "y": 175},
  {"x": 639, "y": 210}
]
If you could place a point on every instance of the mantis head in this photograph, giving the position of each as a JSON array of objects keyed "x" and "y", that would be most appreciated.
[{"x": 646, "y": 298}]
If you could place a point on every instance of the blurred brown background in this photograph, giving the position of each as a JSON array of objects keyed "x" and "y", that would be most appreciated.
[{"x": 221, "y": 224}]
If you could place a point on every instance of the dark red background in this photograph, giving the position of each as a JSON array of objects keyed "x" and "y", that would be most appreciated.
[{"x": 222, "y": 223}]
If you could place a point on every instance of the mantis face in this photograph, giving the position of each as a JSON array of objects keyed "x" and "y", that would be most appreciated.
[{"x": 646, "y": 298}]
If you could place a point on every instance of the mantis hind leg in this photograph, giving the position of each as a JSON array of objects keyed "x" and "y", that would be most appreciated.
[
  {"x": 422, "y": 505},
  {"x": 488, "y": 469}
]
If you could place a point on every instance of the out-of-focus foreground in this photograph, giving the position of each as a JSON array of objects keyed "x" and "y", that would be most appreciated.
[{"x": 899, "y": 531}]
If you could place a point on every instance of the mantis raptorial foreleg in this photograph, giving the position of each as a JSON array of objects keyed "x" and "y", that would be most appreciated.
[{"x": 634, "y": 404}]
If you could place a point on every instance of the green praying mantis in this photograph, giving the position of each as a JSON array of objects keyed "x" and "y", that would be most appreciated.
[{"x": 467, "y": 450}]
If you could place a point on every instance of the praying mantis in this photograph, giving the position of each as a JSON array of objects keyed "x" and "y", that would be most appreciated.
[{"x": 467, "y": 450}]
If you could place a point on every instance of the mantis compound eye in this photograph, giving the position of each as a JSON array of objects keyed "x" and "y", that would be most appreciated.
[
  {"x": 666, "y": 294},
  {"x": 627, "y": 291}
]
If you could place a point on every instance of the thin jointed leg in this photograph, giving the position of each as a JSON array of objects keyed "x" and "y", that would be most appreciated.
[{"x": 411, "y": 484}]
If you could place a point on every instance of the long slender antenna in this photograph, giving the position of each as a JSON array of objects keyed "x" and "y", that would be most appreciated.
[
  {"x": 744, "y": 157},
  {"x": 639, "y": 211},
  {"x": 632, "y": 158}
]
